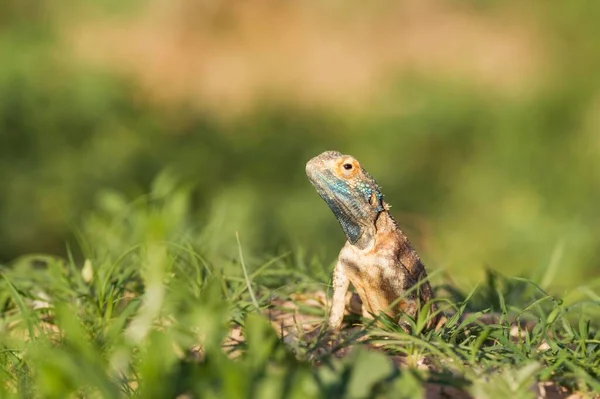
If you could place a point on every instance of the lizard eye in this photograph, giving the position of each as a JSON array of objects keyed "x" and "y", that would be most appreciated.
[{"x": 347, "y": 168}]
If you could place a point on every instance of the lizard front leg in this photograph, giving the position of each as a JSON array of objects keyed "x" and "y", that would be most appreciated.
[{"x": 341, "y": 282}]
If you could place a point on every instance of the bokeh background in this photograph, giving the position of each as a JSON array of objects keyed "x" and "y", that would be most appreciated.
[{"x": 480, "y": 120}]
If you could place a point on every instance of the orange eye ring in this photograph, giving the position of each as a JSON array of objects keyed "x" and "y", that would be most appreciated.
[{"x": 348, "y": 167}]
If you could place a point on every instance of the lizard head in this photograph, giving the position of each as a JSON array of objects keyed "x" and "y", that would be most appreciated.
[{"x": 351, "y": 193}]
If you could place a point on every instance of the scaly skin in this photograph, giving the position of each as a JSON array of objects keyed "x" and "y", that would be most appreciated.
[{"x": 378, "y": 260}]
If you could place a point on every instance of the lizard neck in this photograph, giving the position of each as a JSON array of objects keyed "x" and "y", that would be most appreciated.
[
  {"x": 384, "y": 234},
  {"x": 383, "y": 225},
  {"x": 390, "y": 235}
]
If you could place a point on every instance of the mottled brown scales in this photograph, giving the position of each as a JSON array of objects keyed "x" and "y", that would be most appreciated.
[{"x": 378, "y": 260}]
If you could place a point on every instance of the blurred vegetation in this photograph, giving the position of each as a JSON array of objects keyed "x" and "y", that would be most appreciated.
[{"x": 478, "y": 177}]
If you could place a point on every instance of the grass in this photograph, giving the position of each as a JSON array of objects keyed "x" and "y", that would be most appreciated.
[{"x": 153, "y": 312}]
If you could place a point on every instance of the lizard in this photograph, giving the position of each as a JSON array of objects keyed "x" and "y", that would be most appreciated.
[{"x": 377, "y": 258}]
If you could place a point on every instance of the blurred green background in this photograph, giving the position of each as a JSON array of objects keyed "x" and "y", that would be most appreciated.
[{"x": 480, "y": 120}]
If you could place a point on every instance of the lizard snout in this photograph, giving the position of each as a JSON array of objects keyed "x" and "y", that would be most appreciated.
[
  {"x": 321, "y": 163},
  {"x": 313, "y": 167}
]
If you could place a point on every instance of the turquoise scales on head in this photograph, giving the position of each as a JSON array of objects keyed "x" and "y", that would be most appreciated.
[{"x": 351, "y": 192}]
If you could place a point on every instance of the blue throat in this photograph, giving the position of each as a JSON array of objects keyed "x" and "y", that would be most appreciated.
[{"x": 356, "y": 206}]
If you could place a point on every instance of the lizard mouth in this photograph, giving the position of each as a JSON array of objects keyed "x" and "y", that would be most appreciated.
[
  {"x": 314, "y": 165},
  {"x": 312, "y": 169}
]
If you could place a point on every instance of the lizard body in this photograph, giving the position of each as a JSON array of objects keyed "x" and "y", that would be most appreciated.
[{"x": 377, "y": 259}]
